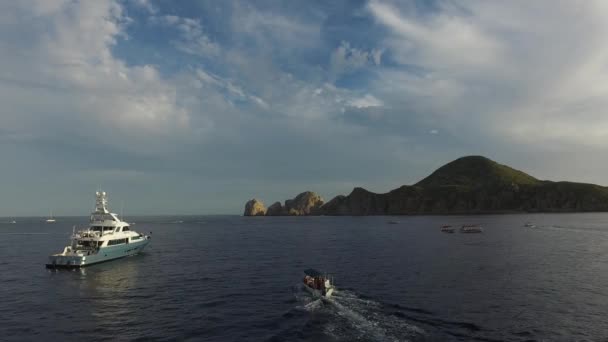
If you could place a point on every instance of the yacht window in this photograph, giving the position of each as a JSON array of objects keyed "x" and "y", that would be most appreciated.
[
  {"x": 96, "y": 228},
  {"x": 89, "y": 244},
  {"x": 117, "y": 242},
  {"x": 124, "y": 229},
  {"x": 117, "y": 229}
]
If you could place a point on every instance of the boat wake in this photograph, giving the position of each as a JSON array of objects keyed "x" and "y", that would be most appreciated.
[
  {"x": 360, "y": 319},
  {"x": 348, "y": 317}
]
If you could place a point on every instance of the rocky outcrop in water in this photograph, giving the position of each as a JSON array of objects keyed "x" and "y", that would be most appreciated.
[
  {"x": 306, "y": 203},
  {"x": 276, "y": 209},
  {"x": 254, "y": 207}
]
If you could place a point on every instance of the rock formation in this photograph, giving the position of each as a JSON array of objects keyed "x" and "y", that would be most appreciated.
[
  {"x": 306, "y": 203},
  {"x": 254, "y": 207},
  {"x": 276, "y": 209}
]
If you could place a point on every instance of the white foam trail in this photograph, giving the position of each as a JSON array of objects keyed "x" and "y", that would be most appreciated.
[
  {"x": 314, "y": 305},
  {"x": 356, "y": 318},
  {"x": 369, "y": 321}
]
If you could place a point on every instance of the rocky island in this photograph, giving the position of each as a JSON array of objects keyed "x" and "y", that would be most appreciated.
[
  {"x": 306, "y": 203},
  {"x": 468, "y": 185}
]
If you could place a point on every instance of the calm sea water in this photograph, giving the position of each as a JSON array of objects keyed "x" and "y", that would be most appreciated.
[{"x": 237, "y": 279}]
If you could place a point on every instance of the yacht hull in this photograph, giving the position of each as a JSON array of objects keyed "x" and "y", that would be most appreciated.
[{"x": 105, "y": 254}]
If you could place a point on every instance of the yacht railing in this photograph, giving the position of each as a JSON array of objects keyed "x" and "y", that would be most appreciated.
[{"x": 91, "y": 233}]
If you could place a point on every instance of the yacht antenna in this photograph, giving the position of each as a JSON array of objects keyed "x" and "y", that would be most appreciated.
[{"x": 122, "y": 207}]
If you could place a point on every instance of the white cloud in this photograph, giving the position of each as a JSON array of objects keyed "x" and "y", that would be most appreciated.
[
  {"x": 193, "y": 39},
  {"x": 68, "y": 78},
  {"x": 233, "y": 91},
  {"x": 279, "y": 28},
  {"x": 147, "y": 5},
  {"x": 259, "y": 101},
  {"x": 445, "y": 40},
  {"x": 345, "y": 59},
  {"x": 207, "y": 77},
  {"x": 366, "y": 101},
  {"x": 514, "y": 68}
]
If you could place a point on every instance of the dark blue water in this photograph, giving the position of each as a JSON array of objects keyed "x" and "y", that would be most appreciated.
[{"x": 237, "y": 279}]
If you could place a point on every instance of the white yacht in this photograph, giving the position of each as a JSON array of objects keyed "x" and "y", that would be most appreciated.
[
  {"x": 471, "y": 228},
  {"x": 107, "y": 238}
]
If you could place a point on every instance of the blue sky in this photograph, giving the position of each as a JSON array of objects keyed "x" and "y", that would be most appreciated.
[{"x": 194, "y": 107}]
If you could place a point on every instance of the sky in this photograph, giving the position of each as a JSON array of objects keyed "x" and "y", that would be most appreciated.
[{"x": 195, "y": 107}]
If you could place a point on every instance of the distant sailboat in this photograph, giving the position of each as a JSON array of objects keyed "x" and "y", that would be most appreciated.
[{"x": 50, "y": 219}]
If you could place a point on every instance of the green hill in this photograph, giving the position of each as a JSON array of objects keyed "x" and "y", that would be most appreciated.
[
  {"x": 476, "y": 171},
  {"x": 473, "y": 185}
]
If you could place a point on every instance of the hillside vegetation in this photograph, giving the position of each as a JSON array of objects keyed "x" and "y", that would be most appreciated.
[{"x": 473, "y": 185}]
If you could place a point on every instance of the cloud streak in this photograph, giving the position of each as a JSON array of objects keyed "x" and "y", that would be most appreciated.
[{"x": 511, "y": 67}]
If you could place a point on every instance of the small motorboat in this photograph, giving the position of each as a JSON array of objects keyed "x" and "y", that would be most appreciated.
[
  {"x": 471, "y": 228},
  {"x": 392, "y": 222},
  {"x": 447, "y": 229},
  {"x": 318, "y": 284},
  {"x": 529, "y": 225}
]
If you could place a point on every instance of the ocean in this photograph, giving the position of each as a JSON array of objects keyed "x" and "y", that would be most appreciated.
[{"x": 231, "y": 278}]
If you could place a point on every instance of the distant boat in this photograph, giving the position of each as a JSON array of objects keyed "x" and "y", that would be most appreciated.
[
  {"x": 318, "y": 284},
  {"x": 13, "y": 222},
  {"x": 50, "y": 219},
  {"x": 529, "y": 225},
  {"x": 447, "y": 229},
  {"x": 393, "y": 222},
  {"x": 471, "y": 228}
]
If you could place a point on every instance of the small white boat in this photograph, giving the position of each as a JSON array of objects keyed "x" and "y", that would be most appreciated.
[
  {"x": 317, "y": 284},
  {"x": 447, "y": 229},
  {"x": 471, "y": 229},
  {"x": 51, "y": 219},
  {"x": 529, "y": 225}
]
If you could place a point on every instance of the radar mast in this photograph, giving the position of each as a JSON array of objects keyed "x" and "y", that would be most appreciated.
[{"x": 101, "y": 202}]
